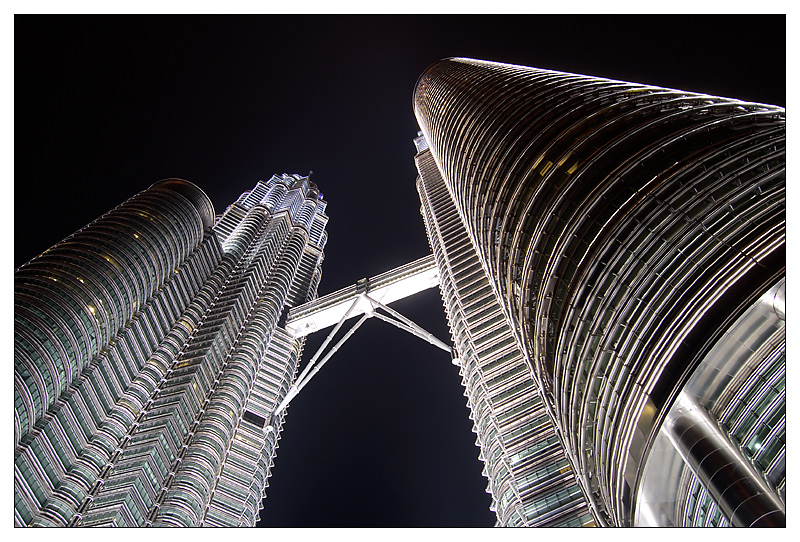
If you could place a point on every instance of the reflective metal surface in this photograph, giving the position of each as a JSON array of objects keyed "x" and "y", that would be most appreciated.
[
  {"x": 621, "y": 226},
  {"x": 727, "y": 430}
]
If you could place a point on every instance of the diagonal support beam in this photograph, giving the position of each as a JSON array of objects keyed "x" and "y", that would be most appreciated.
[
  {"x": 311, "y": 369},
  {"x": 368, "y": 307},
  {"x": 327, "y": 341},
  {"x": 407, "y": 325},
  {"x": 395, "y": 284}
]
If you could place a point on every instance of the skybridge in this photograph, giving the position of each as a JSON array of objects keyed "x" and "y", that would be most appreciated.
[
  {"x": 385, "y": 288},
  {"x": 367, "y": 298}
]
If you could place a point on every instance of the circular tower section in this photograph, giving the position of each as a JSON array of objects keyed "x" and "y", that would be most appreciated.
[
  {"x": 625, "y": 229},
  {"x": 73, "y": 298}
]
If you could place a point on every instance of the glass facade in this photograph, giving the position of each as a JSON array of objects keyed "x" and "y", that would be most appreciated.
[
  {"x": 148, "y": 357},
  {"x": 622, "y": 228}
]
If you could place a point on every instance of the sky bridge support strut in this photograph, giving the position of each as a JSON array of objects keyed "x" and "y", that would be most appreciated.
[{"x": 420, "y": 275}]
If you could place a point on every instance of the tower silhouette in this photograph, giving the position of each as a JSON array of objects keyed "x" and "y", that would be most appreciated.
[
  {"x": 634, "y": 239},
  {"x": 149, "y": 360}
]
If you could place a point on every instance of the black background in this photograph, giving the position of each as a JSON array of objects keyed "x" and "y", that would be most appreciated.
[{"x": 106, "y": 106}]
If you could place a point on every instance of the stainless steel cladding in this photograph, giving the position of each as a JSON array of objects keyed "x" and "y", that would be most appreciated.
[
  {"x": 624, "y": 228},
  {"x": 148, "y": 357},
  {"x": 530, "y": 479}
]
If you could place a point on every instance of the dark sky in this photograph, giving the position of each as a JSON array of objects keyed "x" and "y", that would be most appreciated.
[{"x": 106, "y": 106}]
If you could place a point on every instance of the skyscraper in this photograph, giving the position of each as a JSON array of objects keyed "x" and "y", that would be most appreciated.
[
  {"x": 611, "y": 259},
  {"x": 631, "y": 240},
  {"x": 530, "y": 480},
  {"x": 148, "y": 356}
]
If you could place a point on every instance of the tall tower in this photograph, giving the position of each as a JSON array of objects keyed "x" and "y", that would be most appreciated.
[
  {"x": 633, "y": 239},
  {"x": 148, "y": 357},
  {"x": 530, "y": 480}
]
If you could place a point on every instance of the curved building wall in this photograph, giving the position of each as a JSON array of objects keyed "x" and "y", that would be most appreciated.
[
  {"x": 59, "y": 466},
  {"x": 623, "y": 226},
  {"x": 739, "y": 389},
  {"x": 206, "y": 438},
  {"x": 170, "y": 423},
  {"x": 70, "y": 300}
]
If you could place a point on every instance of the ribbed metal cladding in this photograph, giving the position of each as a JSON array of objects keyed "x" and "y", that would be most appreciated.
[
  {"x": 735, "y": 403},
  {"x": 170, "y": 424},
  {"x": 70, "y": 300},
  {"x": 732, "y": 482},
  {"x": 623, "y": 226},
  {"x": 530, "y": 480}
]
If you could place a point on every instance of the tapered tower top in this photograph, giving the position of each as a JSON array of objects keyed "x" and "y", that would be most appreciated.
[{"x": 194, "y": 194}]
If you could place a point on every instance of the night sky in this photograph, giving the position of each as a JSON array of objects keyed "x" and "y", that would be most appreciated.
[{"x": 106, "y": 106}]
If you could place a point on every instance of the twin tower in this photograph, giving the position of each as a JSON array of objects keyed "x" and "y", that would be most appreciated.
[{"x": 611, "y": 258}]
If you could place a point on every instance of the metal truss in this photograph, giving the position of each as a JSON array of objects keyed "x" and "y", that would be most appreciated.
[{"x": 392, "y": 317}]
